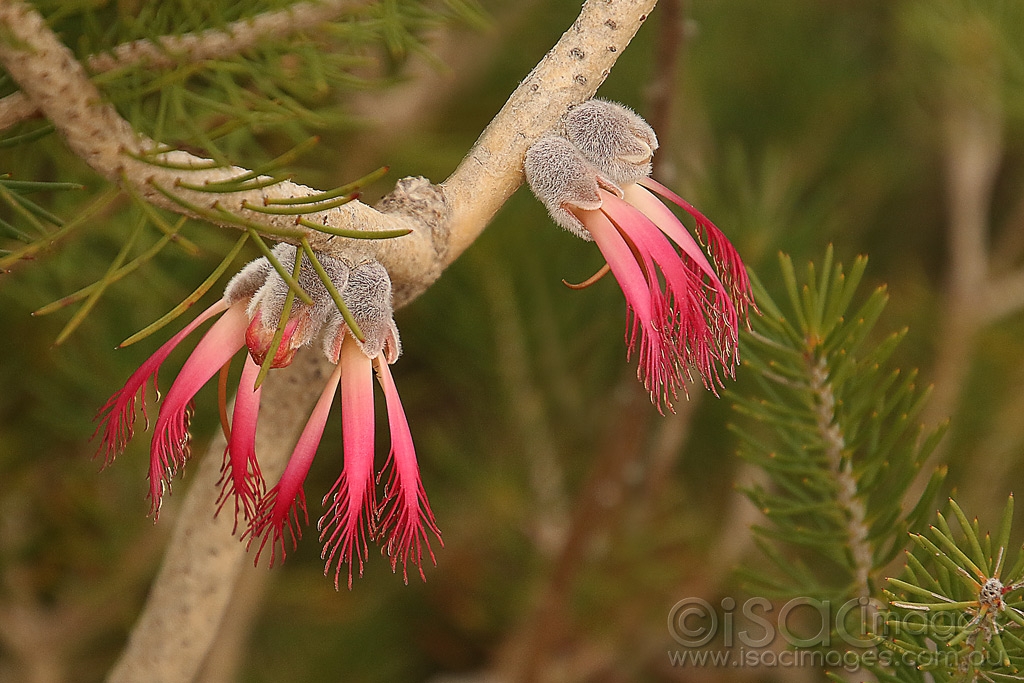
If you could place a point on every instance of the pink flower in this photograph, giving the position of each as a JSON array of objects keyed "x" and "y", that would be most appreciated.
[
  {"x": 169, "y": 449},
  {"x": 351, "y": 521},
  {"x": 683, "y": 309},
  {"x": 253, "y": 297},
  {"x": 681, "y": 313}
]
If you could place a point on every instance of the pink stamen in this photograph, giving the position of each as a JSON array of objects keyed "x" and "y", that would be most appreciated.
[
  {"x": 703, "y": 330},
  {"x": 348, "y": 524},
  {"x": 405, "y": 509},
  {"x": 117, "y": 416},
  {"x": 281, "y": 506},
  {"x": 241, "y": 477},
  {"x": 730, "y": 266},
  {"x": 170, "y": 448},
  {"x": 649, "y": 318}
]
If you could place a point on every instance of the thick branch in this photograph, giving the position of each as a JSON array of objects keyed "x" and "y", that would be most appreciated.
[
  {"x": 168, "y": 51},
  {"x": 447, "y": 218},
  {"x": 569, "y": 74}
]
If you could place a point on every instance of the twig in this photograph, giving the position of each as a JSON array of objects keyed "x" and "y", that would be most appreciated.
[{"x": 846, "y": 484}]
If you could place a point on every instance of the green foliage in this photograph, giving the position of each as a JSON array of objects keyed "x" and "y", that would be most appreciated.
[
  {"x": 963, "y": 50},
  {"x": 15, "y": 196},
  {"x": 834, "y": 426},
  {"x": 285, "y": 84},
  {"x": 956, "y": 610}
]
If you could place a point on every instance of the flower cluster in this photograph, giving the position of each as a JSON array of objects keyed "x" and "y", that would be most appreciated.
[
  {"x": 249, "y": 312},
  {"x": 684, "y": 309}
]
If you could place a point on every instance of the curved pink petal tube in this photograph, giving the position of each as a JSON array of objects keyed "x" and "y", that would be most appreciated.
[
  {"x": 117, "y": 416},
  {"x": 650, "y": 320},
  {"x": 404, "y": 509},
  {"x": 348, "y": 525},
  {"x": 730, "y": 266},
  {"x": 683, "y": 312},
  {"x": 709, "y": 331},
  {"x": 241, "y": 478},
  {"x": 281, "y": 506},
  {"x": 169, "y": 449}
]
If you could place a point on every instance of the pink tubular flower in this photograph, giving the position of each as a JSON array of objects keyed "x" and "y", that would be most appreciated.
[
  {"x": 353, "y": 519},
  {"x": 683, "y": 310},
  {"x": 680, "y": 315},
  {"x": 349, "y": 522},
  {"x": 170, "y": 446},
  {"x": 354, "y": 516},
  {"x": 242, "y": 479},
  {"x": 117, "y": 416},
  {"x": 406, "y": 512}
]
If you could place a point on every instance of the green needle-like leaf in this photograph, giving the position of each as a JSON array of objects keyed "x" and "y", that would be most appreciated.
[
  {"x": 102, "y": 284},
  {"x": 282, "y": 323},
  {"x": 191, "y": 298},
  {"x": 335, "y": 295}
]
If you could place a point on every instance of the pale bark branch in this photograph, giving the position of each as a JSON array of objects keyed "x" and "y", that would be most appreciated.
[
  {"x": 447, "y": 217},
  {"x": 973, "y": 151},
  {"x": 235, "y": 38},
  {"x": 168, "y": 51},
  {"x": 203, "y": 559}
]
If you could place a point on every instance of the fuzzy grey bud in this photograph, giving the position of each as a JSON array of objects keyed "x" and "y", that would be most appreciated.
[
  {"x": 613, "y": 138},
  {"x": 248, "y": 280},
  {"x": 267, "y": 303},
  {"x": 561, "y": 178},
  {"x": 368, "y": 298},
  {"x": 271, "y": 296}
]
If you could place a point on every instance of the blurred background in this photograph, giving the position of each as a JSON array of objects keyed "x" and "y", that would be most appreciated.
[{"x": 574, "y": 516}]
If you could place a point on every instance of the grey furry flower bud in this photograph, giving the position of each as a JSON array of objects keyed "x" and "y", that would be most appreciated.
[
  {"x": 561, "y": 178},
  {"x": 267, "y": 303},
  {"x": 246, "y": 282},
  {"x": 271, "y": 296},
  {"x": 368, "y": 297},
  {"x": 612, "y": 137}
]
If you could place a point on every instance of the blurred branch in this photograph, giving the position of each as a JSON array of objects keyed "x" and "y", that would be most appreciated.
[
  {"x": 203, "y": 560},
  {"x": 526, "y": 409},
  {"x": 42, "y": 633},
  {"x": 973, "y": 151},
  {"x": 663, "y": 91},
  {"x": 168, "y": 51},
  {"x": 415, "y": 104},
  {"x": 1002, "y": 296},
  {"x": 527, "y": 651}
]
